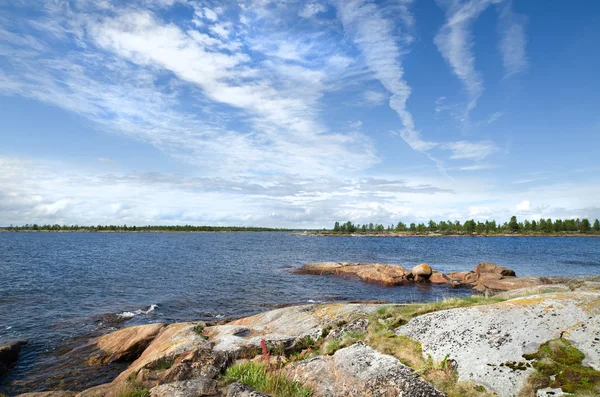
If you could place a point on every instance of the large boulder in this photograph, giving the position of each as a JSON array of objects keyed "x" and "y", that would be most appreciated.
[
  {"x": 286, "y": 328},
  {"x": 376, "y": 273},
  {"x": 359, "y": 370},
  {"x": 487, "y": 342},
  {"x": 126, "y": 344},
  {"x": 439, "y": 278},
  {"x": 179, "y": 352},
  {"x": 486, "y": 267},
  {"x": 421, "y": 272}
]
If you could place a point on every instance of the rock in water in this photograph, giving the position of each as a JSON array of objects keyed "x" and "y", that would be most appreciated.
[
  {"x": 376, "y": 273},
  {"x": 484, "y": 339},
  {"x": 359, "y": 370},
  {"x": 486, "y": 267},
  {"x": 9, "y": 354},
  {"x": 423, "y": 270}
]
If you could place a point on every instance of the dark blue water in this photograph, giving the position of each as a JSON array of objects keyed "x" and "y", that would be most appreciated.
[{"x": 56, "y": 286}]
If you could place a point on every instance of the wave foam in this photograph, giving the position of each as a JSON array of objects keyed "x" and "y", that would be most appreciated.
[{"x": 137, "y": 312}]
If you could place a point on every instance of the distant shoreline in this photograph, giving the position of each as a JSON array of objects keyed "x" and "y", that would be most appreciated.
[{"x": 434, "y": 235}]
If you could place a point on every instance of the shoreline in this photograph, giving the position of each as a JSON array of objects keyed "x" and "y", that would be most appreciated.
[{"x": 438, "y": 235}]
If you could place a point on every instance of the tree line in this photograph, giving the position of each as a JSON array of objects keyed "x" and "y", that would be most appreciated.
[
  {"x": 541, "y": 226},
  {"x": 125, "y": 228}
]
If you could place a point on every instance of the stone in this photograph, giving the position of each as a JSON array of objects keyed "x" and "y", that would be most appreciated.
[
  {"x": 186, "y": 388},
  {"x": 486, "y": 267},
  {"x": 535, "y": 290},
  {"x": 358, "y": 326},
  {"x": 241, "y": 390},
  {"x": 464, "y": 277},
  {"x": 383, "y": 274},
  {"x": 359, "y": 370},
  {"x": 179, "y": 352},
  {"x": 9, "y": 351},
  {"x": 494, "y": 282},
  {"x": 481, "y": 338},
  {"x": 439, "y": 278},
  {"x": 126, "y": 344},
  {"x": 422, "y": 270},
  {"x": 288, "y": 328}
]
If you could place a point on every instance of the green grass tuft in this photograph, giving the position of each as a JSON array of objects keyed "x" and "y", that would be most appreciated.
[{"x": 258, "y": 377}]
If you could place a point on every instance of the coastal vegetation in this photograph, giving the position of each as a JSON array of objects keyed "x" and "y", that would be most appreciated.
[
  {"x": 262, "y": 378},
  {"x": 470, "y": 227},
  {"x": 124, "y": 228}
]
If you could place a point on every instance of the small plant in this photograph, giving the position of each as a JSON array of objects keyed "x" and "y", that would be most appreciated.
[
  {"x": 259, "y": 377},
  {"x": 134, "y": 388},
  {"x": 162, "y": 364},
  {"x": 199, "y": 329}
]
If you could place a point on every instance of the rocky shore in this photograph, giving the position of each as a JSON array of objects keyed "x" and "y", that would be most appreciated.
[
  {"x": 542, "y": 340},
  {"x": 486, "y": 277}
]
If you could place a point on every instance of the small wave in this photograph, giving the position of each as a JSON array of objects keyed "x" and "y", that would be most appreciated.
[{"x": 137, "y": 312}]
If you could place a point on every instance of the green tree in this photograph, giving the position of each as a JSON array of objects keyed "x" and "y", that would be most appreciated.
[
  {"x": 401, "y": 227},
  {"x": 469, "y": 226},
  {"x": 336, "y": 227},
  {"x": 585, "y": 226},
  {"x": 413, "y": 228},
  {"x": 549, "y": 226},
  {"x": 513, "y": 225},
  {"x": 596, "y": 226},
  {"x": 432, "y": 226}
]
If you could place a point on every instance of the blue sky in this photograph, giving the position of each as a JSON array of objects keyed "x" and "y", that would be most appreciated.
[{"x": 285, "y": 113}]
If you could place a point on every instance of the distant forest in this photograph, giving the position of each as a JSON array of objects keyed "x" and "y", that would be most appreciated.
[
  {"x": 125, "y": 228},
  {"x": 542, "y": 226}
]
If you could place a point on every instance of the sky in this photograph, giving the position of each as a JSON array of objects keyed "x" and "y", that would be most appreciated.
[{"x": 298, "y": 114}]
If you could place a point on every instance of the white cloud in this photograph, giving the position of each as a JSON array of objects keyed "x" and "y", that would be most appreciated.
[
  {"x": 312, "y": 9},
  {"x": 455, "y": 42},
  {"x": 374, "y": 98},
  {"x": 523, "y": 205},
  {"x": 375, "y": 37},
  {"x": 494, "y": 117},
  {"x": 471, "y": 150},
  {"x": 118, "y": 88},
  {"x": 513, "y": 40}
]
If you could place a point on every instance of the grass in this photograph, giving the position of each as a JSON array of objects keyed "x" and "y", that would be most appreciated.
[
  {"x": 134, "y": 388},
  {"x": 259, "y": 377}
]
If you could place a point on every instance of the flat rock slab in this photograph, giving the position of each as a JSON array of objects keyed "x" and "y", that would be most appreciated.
[
  {"x": 483, "y": 337},
  {"x": 286, "y": 326},
  {"x": 376, "y": 273},
  {"x": 126, "y": 344},
  {"x": 186, "y": 388},
  {"x": 359, "y": 370}
]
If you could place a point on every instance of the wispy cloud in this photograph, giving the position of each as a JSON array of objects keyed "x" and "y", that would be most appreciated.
[
  {"x": 513, "y": 40},
  {"x": 455, "y": 43},
  {"x": 112, "y": 68},
  {"x": 382, "y": 50},
  {"x": 465, "y": 150}
]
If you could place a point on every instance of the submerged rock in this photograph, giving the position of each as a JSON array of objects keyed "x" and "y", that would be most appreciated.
[
  {"x": 488, "y": 342},
  {"x": 9, "y": 354},
  {"x": 360, "y": 370},
  {"x": 376, "y": 273}
]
